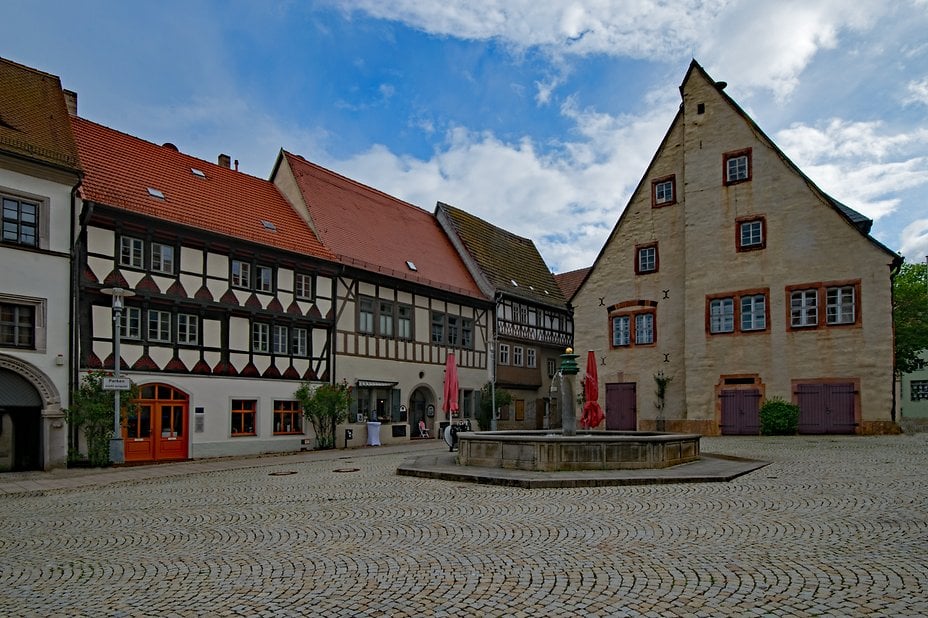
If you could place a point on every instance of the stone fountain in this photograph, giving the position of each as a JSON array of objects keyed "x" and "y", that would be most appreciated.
[{"x": 568, "y": 449}]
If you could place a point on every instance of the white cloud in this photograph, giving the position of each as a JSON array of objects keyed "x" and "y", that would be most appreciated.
[
  {"x": 915, "y": 240},
  {"x": 917, "y": 92},
  {"x": 859, "y": 163}
]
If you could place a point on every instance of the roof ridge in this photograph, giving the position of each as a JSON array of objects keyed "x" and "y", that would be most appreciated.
[{"x": 352, "y": 181}]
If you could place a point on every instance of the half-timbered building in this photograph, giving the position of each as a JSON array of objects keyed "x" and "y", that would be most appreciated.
[
  {"x": 234, "y": 298},
  {"x": 532, "y": 325},
  {"x": 404, "y": 301}
]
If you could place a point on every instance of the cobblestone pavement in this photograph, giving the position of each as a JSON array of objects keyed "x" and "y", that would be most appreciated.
[{"x": 834, "y": 526}]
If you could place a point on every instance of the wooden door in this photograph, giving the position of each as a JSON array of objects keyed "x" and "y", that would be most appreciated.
[
  {"x": 826, "y": 408},
  {"x": 740, "y": 412},
  {"x": 157, "y": 428},
  {"x": 621, "y": 406}
]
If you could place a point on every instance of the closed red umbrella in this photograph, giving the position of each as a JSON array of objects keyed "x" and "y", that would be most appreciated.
[
  {"x": 450, "y": 402},
  {"x": 592, "y": 412}
]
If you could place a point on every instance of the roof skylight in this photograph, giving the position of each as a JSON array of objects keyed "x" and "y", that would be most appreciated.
[
  {"x": 268, "y": 225},
  {"x": 513, "y": 282},
  {"x": 197, "y": 172},
  {"x": 155, "y": 193},
  {"x": 411, "y": 265}
]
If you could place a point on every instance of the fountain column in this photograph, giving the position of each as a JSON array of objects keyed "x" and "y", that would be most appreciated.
[{"x": 568, "y": 401}]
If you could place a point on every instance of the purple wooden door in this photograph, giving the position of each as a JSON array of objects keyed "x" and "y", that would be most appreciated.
[
  {"x": 621, "y": 412},
  {"x": 826, "y": 408},
  {"x": 740, "y": 412}
]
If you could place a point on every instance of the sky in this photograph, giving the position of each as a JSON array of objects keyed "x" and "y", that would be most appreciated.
[{"x": 539, "y": 117}]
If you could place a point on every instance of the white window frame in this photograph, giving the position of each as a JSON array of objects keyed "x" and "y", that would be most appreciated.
[
  {"x": 663, "y": 192},
  {"x": 517, "y": 355},
  {"x": 131, "y": 252},
  {"x": 299, "y": 338},
  {"x": 644, "y": 328},
  {"x": 281, "y": 339},
  {"x": 647, "y": 259},
  {"x": 751, "y": 233},
  {"x": 366, "y": 315},
  {"x": 241, "y": 274},
  {"x": 503, "y": 354},
  {"x": 188, "y": 329},
  {"x": 264, "y": 278},
  {"x": 621, "y": 331},
  {"x": 162, "y": 258},
  {"x": 260, "y": 337},
  {"x": 385, "y": 312},
  {"x": 130, "y": 323},
  {"x": 303, "y": 286},
  {"x": 531, "y": 358},
  {"x": 804, "y": 308},
  {"x": 840, "y": 305},
  {"x": 753, "y": 312},
  {"x": 404, "y": 315},
  {"x": 736, "y": 168},
  {"x": 722, "y": 315},
  {"x": 159, "y": 325}
]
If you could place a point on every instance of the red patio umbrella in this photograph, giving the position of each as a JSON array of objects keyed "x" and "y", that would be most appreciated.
[
  {"x": 450, "y": 402},
  {"x": 592, "y": 412}
]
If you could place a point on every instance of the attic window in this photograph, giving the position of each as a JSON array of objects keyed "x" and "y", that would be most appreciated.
[
  {"x": 155, "y": 193},
  {"x": 268, "y": 225},
  {"x": 546, "y": 291},
  {"x": 411, "y": 265},
  {"x": 197, "y": 172},
  {"x": 513, "y": 282}
]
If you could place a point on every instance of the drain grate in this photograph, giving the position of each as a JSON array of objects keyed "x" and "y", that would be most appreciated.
[
  {"x": 282, "y": 473},
  {"x": 346, "y": 469}
]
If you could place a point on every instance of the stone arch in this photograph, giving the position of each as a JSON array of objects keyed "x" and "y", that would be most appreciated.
[{"x": 51, "y": 399}]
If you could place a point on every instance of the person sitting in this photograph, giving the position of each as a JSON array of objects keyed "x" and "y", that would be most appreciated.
[{"x": 423, "y": 430}]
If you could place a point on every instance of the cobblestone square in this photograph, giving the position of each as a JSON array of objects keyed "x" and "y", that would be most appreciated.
[{"x": 833, "y": 526}]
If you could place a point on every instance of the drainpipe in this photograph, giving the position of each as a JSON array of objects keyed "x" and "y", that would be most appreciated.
[
  {"x": 73, "y": 361},
  {"x": 893, "y": 271}
]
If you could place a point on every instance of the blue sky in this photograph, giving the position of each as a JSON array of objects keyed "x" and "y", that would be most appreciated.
[{"x": 537, "y": 116}]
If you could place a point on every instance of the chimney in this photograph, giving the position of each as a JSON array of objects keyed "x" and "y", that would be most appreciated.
[
  {"x": 236, "y": 165},
  {"x": 70, "y": 100},
  {"x": 225, "y": 161}
]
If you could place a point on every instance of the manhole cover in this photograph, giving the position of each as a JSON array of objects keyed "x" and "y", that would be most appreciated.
[
  {"x": 282, "y": 473},
  {"x": 346, "y": 469}
]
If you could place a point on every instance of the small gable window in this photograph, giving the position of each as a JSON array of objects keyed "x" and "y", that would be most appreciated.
[
  {"x": 646, "y": 259},
  {"x": 736, "y": 166},
  {"x": 663, "y": 192},
  {"x": 751, "y": 234}
]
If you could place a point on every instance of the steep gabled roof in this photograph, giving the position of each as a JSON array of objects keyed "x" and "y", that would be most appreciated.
[
  {"x": 570, "y": 281},
  {"x": 856, "y": 219},
  {"x": 34, "y": 122},
  {"x": 511, "y": 264},
  {"x": 120, "y": 169},
  {"x": 373, "y": 231}
]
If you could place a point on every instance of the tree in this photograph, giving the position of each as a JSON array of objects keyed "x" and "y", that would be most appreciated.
[
  {"x": 910, "y": 316},
  {"x": 91, "y": 411},
  {"x": 485, "y": 413},
  {"x": 325, "y": 406}
]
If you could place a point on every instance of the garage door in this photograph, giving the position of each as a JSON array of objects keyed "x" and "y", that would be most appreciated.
[{"x": 826, "y": 408}]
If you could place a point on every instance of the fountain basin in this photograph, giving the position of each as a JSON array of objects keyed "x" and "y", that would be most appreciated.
[{"x": 548, "y": 451}]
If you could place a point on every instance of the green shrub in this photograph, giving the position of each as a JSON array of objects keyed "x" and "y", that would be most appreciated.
[{"x": 779, "y": 417}]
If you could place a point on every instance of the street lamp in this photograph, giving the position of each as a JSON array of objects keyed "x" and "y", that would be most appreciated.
[{"x": 117, "y": 449}]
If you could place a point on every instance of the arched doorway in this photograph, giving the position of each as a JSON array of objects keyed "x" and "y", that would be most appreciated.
[
  {"x": 157, "y": 426},
  {"x": 421, "y": 407},
  {"x": 20, "y": 423}
]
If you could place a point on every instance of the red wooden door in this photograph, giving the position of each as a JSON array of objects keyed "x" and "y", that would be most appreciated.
[
  {"x": 621, "y": 407},
  {"x": 740, "y": 412},
  {"x": 158, "y": 427}
]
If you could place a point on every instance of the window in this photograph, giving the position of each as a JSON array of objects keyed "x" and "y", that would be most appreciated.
[
  {"x": 131, "y": 252},
  {"x": 454, "y": 331},
  {"x": 264, "y": 278},
  {"x": 187, "y": 328},
  {"x": 244, "y": 413},
  {"x": 644, "y": 328},
  {"x": 531, "y": 360},
  {"x": 742, "y": 311},
  {"x": 17, "y": 326},
  {"x": 404, "y": 322},
  {"x": 438, "y": 328},
  {"x": 162, "y": 258},
  {"x": 839, "y": 305},
  {"x": 130, "y": 323},
  {"x": 288, "y": 418},
  {"x": 621, "y": 335},
  {"x": 303, "y": 286},
  {"x": 467, "y": 333},
  {"x": 504, "y": 354},
  {"x": 753, "y": 312},
  {"x": 241, "y": 274},
  {"x": 722, "y": 315},
  {"x": 643, "y": 333},
  {"x": 20, "y": 221},
  {"x": 751, "y": 234},
  {"x": 260, "y": 337},
  {"x": 919, "y": 390},
  {"x": 159, "y": 325},
  {"x": 663, "y": 192},
  {"x": 300, "y": 341},
  {"x": 520, "y": 409},
  {"x": 803, "y": 308},
  {"x": 646, "y": 260},
  {"x": 385, "y": 314},
  {"x": 551, "y": 365},
  {"x": 517, "y": 355},
  {"x": 281, "y": 338},
  {"x": 737, "y": 166},
  {"x": 366, "y": 315}
]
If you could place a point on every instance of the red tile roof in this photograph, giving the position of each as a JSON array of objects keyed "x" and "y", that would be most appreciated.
[
  {"x": 120, "y": 169},
  {"x": 570, "y": 281},
  {"x": 34, "y": 117},
  {"x": 377, "y": 232}
]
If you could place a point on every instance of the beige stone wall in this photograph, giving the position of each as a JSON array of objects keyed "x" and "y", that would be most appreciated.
[{"x": 807, "y": 242}]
